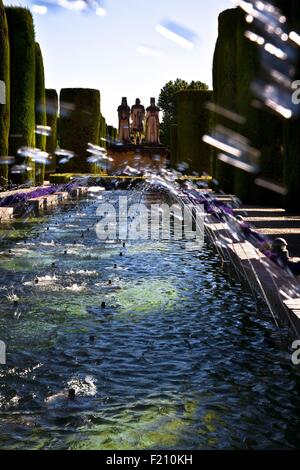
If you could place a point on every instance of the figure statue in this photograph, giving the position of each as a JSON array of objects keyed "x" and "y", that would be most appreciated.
[
  {"x": 124, "y": 127},
  {"x": 152, "y": 123},
  {"x": 137, "y": 125}
]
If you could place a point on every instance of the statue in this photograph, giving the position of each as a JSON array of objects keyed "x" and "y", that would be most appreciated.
[
  {"x": 152, "y": 123},
  {"x": 124, "y": 127},
  {"x": 137, "y": 117}
]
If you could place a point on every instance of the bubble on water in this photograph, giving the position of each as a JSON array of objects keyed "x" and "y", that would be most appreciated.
[
  {"x": 12, "y": 297},
  {"x": 177, "y": 33},
  {"x": 81, "y": 272},
  {"x": 76, "y": 288},
  {"x": 84, "y": 387}
]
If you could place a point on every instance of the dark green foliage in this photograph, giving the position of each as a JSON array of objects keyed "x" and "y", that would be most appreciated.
[
  {"x": 40, "y": 110},
  {"x": 192, "y": 123},
  {"x": 247, "y": 67},
  {"x": 102, "y": 132},
  {"x": 168, "y": 104},
  {"x": 4, "y": 108},
  {"x": 263, "y": 129},
  {"x": 22, "y": 82},
  {"x": 51, "y": 117},
  {"x": 79, "y": 125},
  {"x": 173, "y": 144},
  {"x": 225, "y": 83},
  {"x": 236, "y": 65},
  {"x": 291, "y": 143},
  {"x": 292, "y": 164},
  {"x": 110, "y": 132}
]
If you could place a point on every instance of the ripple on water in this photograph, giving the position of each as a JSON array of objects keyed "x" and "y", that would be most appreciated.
[{"x": 180, "y": 357}]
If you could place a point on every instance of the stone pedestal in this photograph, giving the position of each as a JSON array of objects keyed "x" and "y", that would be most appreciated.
[{"x": 138, "y": 157}]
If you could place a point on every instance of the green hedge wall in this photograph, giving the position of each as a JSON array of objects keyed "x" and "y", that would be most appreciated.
[
  {"x": 79, "y": 126},
  {"x": 5, "y": 106},
  {"x": 173, "y": 144},
  {"x": 263, "y": 129},
  {"x": 102, "y": 132},
  {"x": 193, "y": 121},
  {"x": 22, "y": 83},
  {"x": 291, "y": 142},
  {"x": 292, "y": 164},
  {"x": 225, "y": 84},
  {"x": 110, "y": 132},
  {"x": 51, "y": 118},
  {"x": 236, "y": 65},
  {"x": 247, "y": 67},
  {"x": 40, "y": 110}
]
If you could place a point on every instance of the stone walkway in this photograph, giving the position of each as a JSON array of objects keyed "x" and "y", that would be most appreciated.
[{"x": 22, "y": 190}]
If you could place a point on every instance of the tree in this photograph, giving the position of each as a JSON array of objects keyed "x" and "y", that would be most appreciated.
[{"x": 167, "y": 103}]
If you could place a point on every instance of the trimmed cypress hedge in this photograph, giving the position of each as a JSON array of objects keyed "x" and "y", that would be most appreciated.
[
  {"x": 103, "y": 132},
  {"x": 40, "y": 110},
  {"x": 292, "y": 164},
  {"x": 263, "y": 129},
  {"x": 247, "y": 66},
  {"x": 193, "y": 121},
  {"x": 79, "y": 125},
  {"x": 225, "y": 84},
  {"x": 5, "y": 106},
  {"x": 110, "y": 132},
  {"x": 173, "y": 144},
  {"x": 236, "y": 64},
  {"x": 22, "y": 83},
  {"x": 51, "y": 118},
  {"x": 291, "y": 147}
]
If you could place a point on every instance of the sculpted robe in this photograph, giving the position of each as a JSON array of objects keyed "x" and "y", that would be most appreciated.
[
  {"x": 152, "y": 125},
  {"x": 124, "y": 126}
]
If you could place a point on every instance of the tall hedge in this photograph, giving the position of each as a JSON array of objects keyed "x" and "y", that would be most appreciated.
[
  {"x": 102, "y": 132},
  {"x": 40, "y": 110},
  {"x": 110, "y": 132},
  {"x": 79, "y": 125},
  {"x": 51, "y": 119},
  {"x": 22, "y": 83},
  {"x": 291, "y": 142},
  {"x": 193, "y": 121},
  {"x": 236, "y": 66},
  {"x": 173, "y": 144},
  {"x": 225, "y": 84},
  {"x": 5, "y": 98}
]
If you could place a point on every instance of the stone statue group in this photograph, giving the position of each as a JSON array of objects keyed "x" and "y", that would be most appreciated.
[{"x": 139, "y": 123}]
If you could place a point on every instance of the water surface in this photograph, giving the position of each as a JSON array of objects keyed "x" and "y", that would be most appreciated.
[{"x": 181, "y": 357}]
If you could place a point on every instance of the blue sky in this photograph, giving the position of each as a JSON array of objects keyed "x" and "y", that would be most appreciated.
[{"x": 86, "y": 50}]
